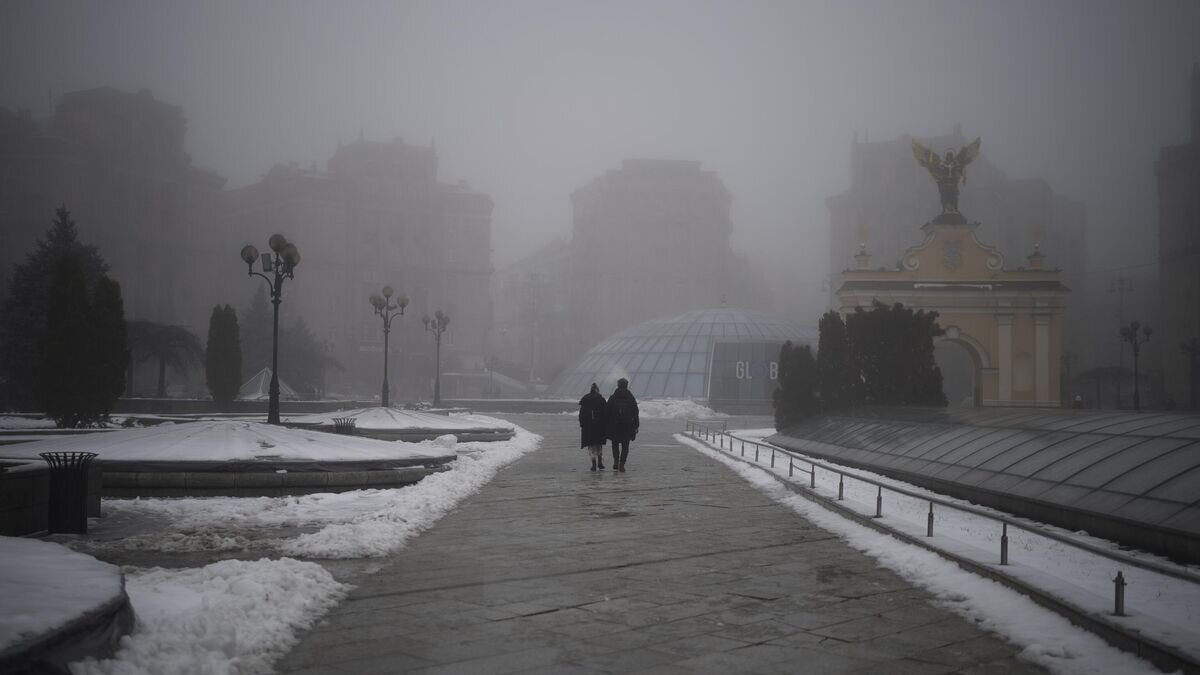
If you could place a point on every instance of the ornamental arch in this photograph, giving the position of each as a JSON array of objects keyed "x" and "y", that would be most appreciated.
[{"x": 1008, "y": 320}]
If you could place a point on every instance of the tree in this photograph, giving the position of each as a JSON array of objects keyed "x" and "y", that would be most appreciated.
[
  {"x": 891, "y": 356},
  {"x": 255, "y": 330},
  {"x": 223, "y": 356},
  {"x": 795, "y": 398},
  {"x": 167, "y": 345},
  {"x": 109, "y": 349},
  {"x": 307, "y": 357},
  {"x": 24, "y": 313},
  {"x": 834, "y": 373},
  {"x": 61, "y": 377}
]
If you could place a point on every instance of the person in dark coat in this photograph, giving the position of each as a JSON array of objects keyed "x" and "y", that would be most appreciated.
[
  {"x": 623, "y": 422},
  {"x": 593, "y": 423}
]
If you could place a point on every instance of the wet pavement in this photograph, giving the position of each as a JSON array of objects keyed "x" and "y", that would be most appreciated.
[{"x": 677, "y": 565}]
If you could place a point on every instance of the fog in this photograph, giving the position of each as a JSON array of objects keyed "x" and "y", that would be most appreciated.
[{"x": 528, "y": 101}]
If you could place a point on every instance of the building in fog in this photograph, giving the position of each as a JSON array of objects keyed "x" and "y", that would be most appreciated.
[
  {"x": 652, "y": 239},
  {"x": 377, "y": 215},
  {"x": 534, "y": 330},
  {"x": 116, "y": 161},
  {"x": 890, "y": 195},
  {"x": 1178, "y": 173}
]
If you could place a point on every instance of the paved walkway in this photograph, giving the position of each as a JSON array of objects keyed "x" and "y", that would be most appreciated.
[{"x": 675, "y": 566}]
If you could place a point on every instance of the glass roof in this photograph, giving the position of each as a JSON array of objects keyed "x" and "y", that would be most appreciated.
[
  {"x": 1149, "y": 463},
  {"x": 669, "y": 357}
]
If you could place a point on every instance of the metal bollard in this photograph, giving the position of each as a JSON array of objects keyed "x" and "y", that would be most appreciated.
[
  {"x": 812, "y": 477},
  {"x": 1119, "y": 594},
  {"x": 772, "y": 458},
  {"x": 841, "y": 492},
  {"x": 929, "y": 530},
  {"x": 743, "y": 447},
  {"x": 721, "y": 440},
  {"x": 1004, "y": 545},
  {"x": 791, "y": 467},
  {"x": 756, "y": 449},
  {"x": 879, "y": 503}
]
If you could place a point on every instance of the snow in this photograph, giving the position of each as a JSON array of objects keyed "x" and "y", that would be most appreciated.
[
  {"x": 222, "y": 440},
  {"x": 352, "y": 524},
  {"x": 674, "y": 408},
  {"x": 393, "y": 419},
  {"x": 1045, "y": 637},
  {"x": 45, "y": 585},
  {"x": 233, "y": 616},
  {"x": 11, "y": 422}
]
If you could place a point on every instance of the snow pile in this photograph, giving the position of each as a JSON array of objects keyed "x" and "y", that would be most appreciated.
[
  {"x": 45, "y": 585},
  {"x": 394, "y": 419},
  {"x": 220, "y": 441},
  {"x": 234, "y": 616},
  {"x": 1045, "y": 637},
  {"x": 11, "y": 422},
  {"x": 674, "y": 408},
  {"x": 353, "y": 524}
]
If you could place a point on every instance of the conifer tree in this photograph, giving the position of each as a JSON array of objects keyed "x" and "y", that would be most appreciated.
[
  {"x": 223, "y": 356},
  {"x": 109, "y": 349},
  {"x": 795, "y": 398},
  {"x": 63, "y": 374},
  {"x": 833, "y": 363}
]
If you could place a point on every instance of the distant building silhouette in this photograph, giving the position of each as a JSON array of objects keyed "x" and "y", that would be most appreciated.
[
  {"x": 1178, "y": 174},
  {"x": 378, "y": 216},
  {"x": 116, "y": 160}
]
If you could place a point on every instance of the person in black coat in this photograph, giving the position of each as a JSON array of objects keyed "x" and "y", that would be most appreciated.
[
  {"x": 593, "y": 422},
  {"x": 623, "y": 422}
]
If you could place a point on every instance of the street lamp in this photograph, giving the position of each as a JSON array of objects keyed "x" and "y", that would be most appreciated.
[
  {"x": 1130, "y": 334},
  {"x": 437, "y": 326},
  {"x": 384, "y": 307},
  {"x": 283, "y": 265}
]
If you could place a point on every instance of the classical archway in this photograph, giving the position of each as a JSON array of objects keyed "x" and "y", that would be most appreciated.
[{"x": 961, "y": 360}]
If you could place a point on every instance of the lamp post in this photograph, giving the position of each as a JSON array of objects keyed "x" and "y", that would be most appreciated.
[
  {"x": 283, "y": 266},
  {"x": 384, "y": 307},
  {"x": 1130, "y": 334},
  {"x": 437, "y": 326}
]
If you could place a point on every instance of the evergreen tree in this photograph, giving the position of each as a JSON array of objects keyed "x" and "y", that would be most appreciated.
[
  {"x": 65, "y": 364},
  {"x": 891, "y": 356},
  {"x": 109, "y": 350},
  {"x": 795, "y": 398},
  {"x": 304, "y": 358},
  {"x": 23, "y": 315},
  {"x": 223, "y": 360},
  {"x": 833, "y": 363}
]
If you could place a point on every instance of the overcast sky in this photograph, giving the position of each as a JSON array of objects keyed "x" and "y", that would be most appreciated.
[{"x": 530, "y": 100}]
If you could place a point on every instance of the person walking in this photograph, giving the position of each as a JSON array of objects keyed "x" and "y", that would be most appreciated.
[
  {"x": 623, "y": 422},
  {"x": 593, "y": 420}
]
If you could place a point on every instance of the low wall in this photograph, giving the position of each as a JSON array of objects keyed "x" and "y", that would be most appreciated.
[
  {"x": 24, "y": 496},
  {"x": 196, "y": 406}
]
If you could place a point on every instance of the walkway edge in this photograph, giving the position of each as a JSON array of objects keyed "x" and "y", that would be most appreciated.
[{"x": 1165, "y": 657}]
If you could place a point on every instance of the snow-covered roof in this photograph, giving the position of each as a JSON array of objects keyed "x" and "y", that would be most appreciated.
[{"x": 226, "y": 441}]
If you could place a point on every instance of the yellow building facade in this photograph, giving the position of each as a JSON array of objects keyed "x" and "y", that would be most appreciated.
[{"x": 1008, "y": 320}]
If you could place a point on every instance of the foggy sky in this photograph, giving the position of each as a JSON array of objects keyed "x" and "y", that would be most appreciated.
[{"x": 529, "y": 100}]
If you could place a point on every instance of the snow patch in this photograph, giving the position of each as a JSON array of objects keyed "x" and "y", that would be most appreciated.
[
  {"x": 671, "y": 409},
  {"x": 233, "y": 616}
]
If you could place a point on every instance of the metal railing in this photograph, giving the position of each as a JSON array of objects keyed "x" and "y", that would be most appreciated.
[{"x": 722, "y": 437}]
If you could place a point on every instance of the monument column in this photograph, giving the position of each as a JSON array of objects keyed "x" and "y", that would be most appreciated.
[
  {"x": 1004, "y": 338},
  {"x": 1041, "y": 341}
]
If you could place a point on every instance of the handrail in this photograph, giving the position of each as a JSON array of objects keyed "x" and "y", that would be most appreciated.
[{"x": 692, "y": 425}]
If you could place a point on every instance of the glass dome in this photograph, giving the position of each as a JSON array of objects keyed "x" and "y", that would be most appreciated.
[{"x": 672, "y": 357}]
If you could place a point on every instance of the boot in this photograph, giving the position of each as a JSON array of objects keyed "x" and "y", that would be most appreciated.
[{"x": 594, "y": 465}]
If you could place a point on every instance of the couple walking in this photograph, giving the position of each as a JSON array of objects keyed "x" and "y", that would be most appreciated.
[{"x": 615, "y": 419}]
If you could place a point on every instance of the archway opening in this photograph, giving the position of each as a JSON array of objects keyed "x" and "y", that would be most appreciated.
[{"x": 960, "y": 373}]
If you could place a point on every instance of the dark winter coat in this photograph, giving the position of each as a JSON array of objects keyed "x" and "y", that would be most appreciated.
[
  {"x": 623, "y": 419},
  {"x": 593, "y": 419}
]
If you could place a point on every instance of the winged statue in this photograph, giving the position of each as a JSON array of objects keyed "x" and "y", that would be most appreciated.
[{"x": 948, "y": 172}]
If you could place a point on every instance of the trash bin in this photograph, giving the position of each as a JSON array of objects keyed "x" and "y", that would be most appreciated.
[
  {"x": 344, "y": 425},
  {"x": 67, "y": 508}
]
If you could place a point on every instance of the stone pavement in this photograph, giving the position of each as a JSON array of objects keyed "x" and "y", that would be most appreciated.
[{"x": 676, "y": 566}]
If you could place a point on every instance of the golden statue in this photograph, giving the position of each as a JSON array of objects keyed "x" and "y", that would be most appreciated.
[{"x": 948, "y": 172}]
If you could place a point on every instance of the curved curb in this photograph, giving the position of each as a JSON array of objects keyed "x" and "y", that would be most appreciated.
[
  {"x": 1165, "y": 657},
  {"x": 96, "y": 633}
]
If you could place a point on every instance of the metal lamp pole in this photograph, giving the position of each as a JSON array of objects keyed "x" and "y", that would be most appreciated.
[
  {"x": 384, "y": 307},
  {"x": 283, "y": 266},
  {"x": 1191, "y": 347},
  {"x": 437, "y": 326},
  {"x": 1130, "y": 334}
]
